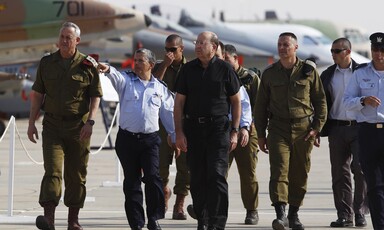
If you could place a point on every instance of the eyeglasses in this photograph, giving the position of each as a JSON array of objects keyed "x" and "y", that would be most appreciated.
[
  {"x": 377, "y": 49},
  {"x": 172, "y": 49},
  {"x": 337, "y": 51},
  {"x": 202, "y": 43}
]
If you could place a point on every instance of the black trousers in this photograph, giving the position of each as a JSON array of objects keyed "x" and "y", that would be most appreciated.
[
  {"x": 371, "y": 142},
  {"x": 139, "y": 157},
  {"x": 207, "y": 158},
  {"x": 349, "y": 192}
]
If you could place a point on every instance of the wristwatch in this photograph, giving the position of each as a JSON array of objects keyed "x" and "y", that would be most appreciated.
[
  {"x": 91, "y": 122},
  {"x": 236, "y": 130},
  {"x": 246, "y": 128},
  {"x": 362, "y": 101}
]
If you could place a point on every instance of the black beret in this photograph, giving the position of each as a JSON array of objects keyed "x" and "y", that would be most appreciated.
[{"x": 377, "y": 39}]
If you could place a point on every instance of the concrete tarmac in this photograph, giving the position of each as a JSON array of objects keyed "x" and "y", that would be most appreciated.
[{"x": 104, "y": 207}]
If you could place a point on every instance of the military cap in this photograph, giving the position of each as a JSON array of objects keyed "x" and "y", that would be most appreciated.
[{"x": 377, "y": 39}]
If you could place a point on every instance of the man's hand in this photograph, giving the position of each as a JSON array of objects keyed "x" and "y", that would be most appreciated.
[
  {"x": 168, "y": 59},
  {"x": 263, "y": 144},
  {"x": 233, "y": 141},
  {"x": 32, "y": 133},
  {"x": 103, "y": 68},
  {"x": 244, "y": 137},
  {"x": 317, "y": 141},
  {"x": 181, "y": 142},
  {"x": 313, "y": 133},
  {"x": 372, "y": 101},
  {"x": 86, "y": 131}
]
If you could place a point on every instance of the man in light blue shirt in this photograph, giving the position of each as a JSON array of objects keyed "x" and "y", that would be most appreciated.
[
  {"x": 364, "y": 94},
  {"x": 143, "y": 100}
]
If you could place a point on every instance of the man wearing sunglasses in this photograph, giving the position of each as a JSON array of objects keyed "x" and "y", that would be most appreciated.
[
  {"x": 167, "y": 71},
  {"x": 341, "y": 129},
  {"x": 364, "y": 94}
]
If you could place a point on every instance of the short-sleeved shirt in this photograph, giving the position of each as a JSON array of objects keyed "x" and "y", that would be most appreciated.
[
  {"x": 171, "y": 74},
  {"x": 67, "y": 85},
  {"x": 207, "y": 90},
  {"x": 366, "y": 81}
]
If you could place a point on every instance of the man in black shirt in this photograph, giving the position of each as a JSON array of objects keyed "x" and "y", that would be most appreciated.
[{"x": 207, "y": 88}]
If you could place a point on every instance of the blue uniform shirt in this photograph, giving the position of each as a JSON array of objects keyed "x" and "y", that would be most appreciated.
[
  {"x": 141, "y": 106},
  {"x": 366, "y": 81},
  {"x": 246, "y": 111}
]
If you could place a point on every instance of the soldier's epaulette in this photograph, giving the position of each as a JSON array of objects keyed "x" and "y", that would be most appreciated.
[
  {"x": 129, "y": 72},
  {"x": 163, "y": 82},
  {"x": 247, "y": 80},
  {"x": 269, "y": 66},
  {"x": 360, "y": 66},
  {"x": 309, "y": 65},
  {"x": 46, "y": 55},
  {"x": 91, "y": 60}
]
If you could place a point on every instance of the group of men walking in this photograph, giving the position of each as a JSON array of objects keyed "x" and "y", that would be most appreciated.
[{"x": 207, "y": 122}]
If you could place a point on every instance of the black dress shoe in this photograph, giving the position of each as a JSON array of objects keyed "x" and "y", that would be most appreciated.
[
  {"x": 191, "y": 211},
  {"x": 137, "y": 228},
  {"x": 360, "y": 220},
  {"x": 214, "y": 228},
  {"x": 153, "y": 225},
  {"x": 342, "y": 222},
  {"x": 202, "y": 227}
]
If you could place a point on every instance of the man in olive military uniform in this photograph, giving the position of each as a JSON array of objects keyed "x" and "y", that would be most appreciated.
[
  {"x": 291, "y": 103},
  {"x": 246, "y": 157},
  {"x": 68, "y": 90},
  {"x": 167, "y": 71}
]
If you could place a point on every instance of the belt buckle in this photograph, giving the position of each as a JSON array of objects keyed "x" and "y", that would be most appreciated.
[
  {"x": 201, "y": 120},
  {"x": 349, "y": 123},
  {"x": 379, "y": 126}
]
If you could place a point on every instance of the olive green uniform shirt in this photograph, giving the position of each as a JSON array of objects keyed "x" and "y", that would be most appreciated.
[
  {"x": 251, "y": 82},
  {"x": 289, "y": 95},
  {"x": 170, "y": 74},
  {"x": 67, "y": 85}
]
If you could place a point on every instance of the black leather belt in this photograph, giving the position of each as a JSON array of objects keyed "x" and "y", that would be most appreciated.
[
  {"x": 202, "y": 120},
  {"x": 65, "y": 118},
  {"x": 137, "y": 135},
  {"x": 343, "y": 123},
  {"x": 375, "y": 125}
]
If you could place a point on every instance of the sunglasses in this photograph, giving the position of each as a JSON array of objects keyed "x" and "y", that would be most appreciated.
[
  {"x": 377, "y": 49},
  {"x": 337, "y": 51},
  {"x": 172, "y": 49}
]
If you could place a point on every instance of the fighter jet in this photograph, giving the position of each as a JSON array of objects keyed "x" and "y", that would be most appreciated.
[
  {"x": 154, "y": 37},
  {"x": 312, "y": 43},
  {"x": 27, "y": 33},
  {"x": 30, "y": 29}
]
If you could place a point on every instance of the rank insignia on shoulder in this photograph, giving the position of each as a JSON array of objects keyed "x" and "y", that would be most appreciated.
[
  {"x": 309, "y": 66},
  {"x": 91, "y": 60}
]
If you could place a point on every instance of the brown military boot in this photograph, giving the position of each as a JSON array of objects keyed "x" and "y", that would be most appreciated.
[
  {"x": 178, "y": 208},
  {"x": 47, "y": 222},
  {"x": 73, "y": 219},
  {"x": 167, "y": 195}
]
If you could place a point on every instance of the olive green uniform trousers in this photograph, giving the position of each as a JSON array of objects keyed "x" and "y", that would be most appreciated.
[
  {"x": 246, "y": 161},
  {"x": 62, "y": 146},
  {"x": 182, "y": 179},
  {"x": 289, "y": 156}
]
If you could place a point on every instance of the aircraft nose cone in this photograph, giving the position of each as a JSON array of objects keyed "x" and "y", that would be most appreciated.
[{"x": 148, "y": 20}]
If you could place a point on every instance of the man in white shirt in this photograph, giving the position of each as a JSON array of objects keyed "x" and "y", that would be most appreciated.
[{"x": 341, "y": 129}]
